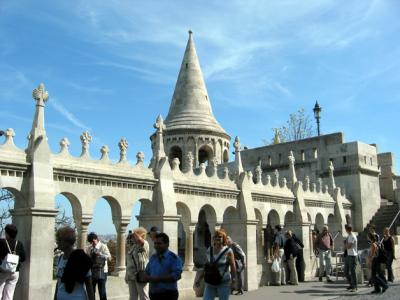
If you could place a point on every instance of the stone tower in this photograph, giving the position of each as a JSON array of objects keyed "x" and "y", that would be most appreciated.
[{"x": 192, "y": 133}]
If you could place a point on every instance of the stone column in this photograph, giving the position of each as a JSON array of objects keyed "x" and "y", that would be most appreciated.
[
  {"x": 82, "y": 227},
  {"x": 189, "y": 248},
  {"x": 120, "y": 266},
  {"x": 196, "y": 153},
  {"x": 36, "y": 232}
]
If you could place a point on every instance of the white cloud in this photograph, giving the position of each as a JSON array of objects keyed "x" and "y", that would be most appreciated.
[{"x": 67, "y": 114}]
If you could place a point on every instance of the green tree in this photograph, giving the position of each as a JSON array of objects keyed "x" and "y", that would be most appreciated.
[{"x": 298, "y": 127}]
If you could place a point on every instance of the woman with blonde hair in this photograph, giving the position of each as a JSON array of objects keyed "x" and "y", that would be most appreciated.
[
  {"x": 136, "y": 261},
  {"x": 222, "y": 256}
]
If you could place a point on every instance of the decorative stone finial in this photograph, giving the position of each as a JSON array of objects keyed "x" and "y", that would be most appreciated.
[
  {"x": 258, "y": 173},
  {"x": 175, "y": 163},
  {"x": 189, "y": 161},
  {"x": 86, "y": 138},
  {"x": 9, "y": 135},
  {"x": 236, "y": 144},
  {"x": 40, "y": 94},
  {"x": 307, "y": 183},
  {"x": 202, "y": 168},
  {"x": 225, "y": 172},
  {"x": 276, "y": 177},
  {"x": 284, "y": 182},
  {"x": 104, "y": 150},
  {"x": 158, "y": 147},
  {"x": 292, "y": 170},
  {"x": 140, "y": 158},
  {"x": 319, "y": 185},
  {"x": 332, "y": 184},
  {"x": 268, "y": 179},
  {"x": 190, "y": 32},
  {"x": 123, "y": 146},
  {"x": 159, "y": 124},
  {"x": 64, "y": 145}
]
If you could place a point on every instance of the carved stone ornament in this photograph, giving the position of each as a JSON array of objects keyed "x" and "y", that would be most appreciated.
[
  {"x": 189, "y": 161},
  {"x": 104, "y": 150},
  {"x": 307, "y": 183},
  {"x": 86, "y": 138},
  {"x": 9, "y": 135},
  {"x": 123, "y": 146},
  {"x": 40, "y": 95},
  {"x": 175, "y": 163},
  {"x": 139, "y": 158},
  {"x": 159, "y": 124},
  {"x": 64, "y": 145},
  {"x": 276, "y": 177},
  {"x": 236, "y": 144},
  {"x": 258, "y": 174}
]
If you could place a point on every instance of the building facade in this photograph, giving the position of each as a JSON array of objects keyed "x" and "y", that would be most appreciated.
[{"x": 190, "y": 188}]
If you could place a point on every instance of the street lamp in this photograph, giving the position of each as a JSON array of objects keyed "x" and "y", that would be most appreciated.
[{"x": 317, "y": 114}]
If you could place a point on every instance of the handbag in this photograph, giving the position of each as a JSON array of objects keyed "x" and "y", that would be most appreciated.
[
  {"x": 140, "y": 274},
  {"x": 10, "y": 261},
  {"x": 275, "y": 266}
]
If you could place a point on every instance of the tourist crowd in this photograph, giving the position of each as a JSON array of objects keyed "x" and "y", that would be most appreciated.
[{"x": 155, "y": 275}]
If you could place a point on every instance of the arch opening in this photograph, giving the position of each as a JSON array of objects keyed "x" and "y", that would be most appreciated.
[
  {"x": 205, "y": 155},
  {"x": 176, "y": 152}
]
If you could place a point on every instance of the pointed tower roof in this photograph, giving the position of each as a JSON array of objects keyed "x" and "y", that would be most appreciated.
[{"x": 191, "y": 107}]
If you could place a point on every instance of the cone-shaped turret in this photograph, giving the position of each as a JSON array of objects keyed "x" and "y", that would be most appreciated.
[{"x": 190, "y": 107}]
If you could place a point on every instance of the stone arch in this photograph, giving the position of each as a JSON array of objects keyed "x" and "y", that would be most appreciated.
[
  {"x": 19, "y": 199},
  {"x": 207, "y": 219},
  {"x": 319, "y": 222},
  {"x": 76, "y": 206},
  {"x": 309, "y": 219},
  {"x": 176, "y": 152},
  {"x": 205, "y": 154},
  {"x": 290, "y": 220},
  {"x": 225, "y": 156},
  {"x": 116, "y": 210},
  {"x": 273, "y": 218},
  {"x": 184, "y": 211}
]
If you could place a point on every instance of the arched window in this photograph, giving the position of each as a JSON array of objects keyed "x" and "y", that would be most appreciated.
[
  {"x": 205, "y": 155},
  {"x": 175, "y": 152}
]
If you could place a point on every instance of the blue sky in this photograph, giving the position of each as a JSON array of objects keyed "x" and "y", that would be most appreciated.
[{"x": 110, "y": 67}]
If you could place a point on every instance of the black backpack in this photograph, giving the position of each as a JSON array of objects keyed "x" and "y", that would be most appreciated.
[
  {"x": 382, "y": 255},
  {"x": 211, "y": 271}
]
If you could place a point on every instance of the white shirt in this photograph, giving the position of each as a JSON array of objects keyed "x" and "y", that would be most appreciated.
[{"x": 351, "y": 238}]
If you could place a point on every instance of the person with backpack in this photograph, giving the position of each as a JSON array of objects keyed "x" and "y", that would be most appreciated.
[
  {"x": 220, "y": 269},
  {"x": 375, "y": 260},
  {"x": 290, "y": 250},
  {"x": 9, "y": 273},
  {"x": 240, "y": 262},
  {"x": 324, "y": 244},
  {"x": 388, "y": 245},
  {"x": 100, "y": 254}
]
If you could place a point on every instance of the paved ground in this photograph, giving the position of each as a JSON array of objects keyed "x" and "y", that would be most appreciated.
[{"x": 317, "y": 291}]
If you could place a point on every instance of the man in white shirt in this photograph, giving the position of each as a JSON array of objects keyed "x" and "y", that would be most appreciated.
[
  {"x": 99, "y": 254},
  {"x": 350, "y": 261}
]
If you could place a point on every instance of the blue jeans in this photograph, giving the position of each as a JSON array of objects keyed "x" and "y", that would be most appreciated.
[
  {"x": 101, "y": 284},
  {"x": 350, "y": 263},
  {"x": 221, "y": 291}
]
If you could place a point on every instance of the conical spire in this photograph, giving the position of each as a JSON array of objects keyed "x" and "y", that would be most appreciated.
[{"x": 190, "y": 107}]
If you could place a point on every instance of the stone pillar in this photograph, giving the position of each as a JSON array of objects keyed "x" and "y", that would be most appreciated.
[
  {"x": 82, "y": 227},
  {"x": 303, "y": 233},
  {"x": 189, "y": 249},
  {"x": 196, "y": 153},
  {"x": 170, "y": 226},
  {"x": 120, "y": 266},
  {"x": 36, "y": 232}
]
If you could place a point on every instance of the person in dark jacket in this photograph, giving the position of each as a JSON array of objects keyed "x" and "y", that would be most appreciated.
[
  {"x": 8, "y": 280},
  {"x": 388, "y": 244},
  {"x": 290, "y": 256},
  {"x": 300, "y": 258}
]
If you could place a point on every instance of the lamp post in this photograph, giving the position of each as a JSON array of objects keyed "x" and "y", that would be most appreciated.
[{"x": 317, "y": 115}]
